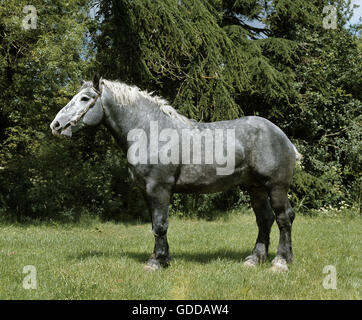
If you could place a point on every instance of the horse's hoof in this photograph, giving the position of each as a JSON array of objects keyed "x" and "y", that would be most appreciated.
[
  {"x": 250, "y": 263},
  {"x": 150, "y": 268},
  {"x": 279, "y": 265},
  {"x": 152, "y": 265}
]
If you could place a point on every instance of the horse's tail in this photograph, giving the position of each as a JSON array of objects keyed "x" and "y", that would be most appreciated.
[{"x": 298, "y": 156}]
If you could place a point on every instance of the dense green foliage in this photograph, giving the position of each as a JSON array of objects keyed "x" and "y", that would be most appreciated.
[{"x": 210, "y": 60}]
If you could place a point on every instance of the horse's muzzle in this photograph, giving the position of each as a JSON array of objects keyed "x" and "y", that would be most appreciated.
[{"x": 59, "y": 130}]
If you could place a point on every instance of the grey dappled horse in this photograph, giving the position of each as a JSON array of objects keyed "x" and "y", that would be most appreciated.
[{"x": 264, "y": 161}]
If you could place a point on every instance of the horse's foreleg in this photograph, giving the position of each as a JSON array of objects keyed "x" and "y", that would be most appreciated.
[
  {"x": 159, "y": 199},
  {"x": 284, "y": 216},
  {"x": 264, "y": 219}
]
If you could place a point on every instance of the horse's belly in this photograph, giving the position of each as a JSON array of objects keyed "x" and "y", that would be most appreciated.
[{"x": 204, "y": 179}]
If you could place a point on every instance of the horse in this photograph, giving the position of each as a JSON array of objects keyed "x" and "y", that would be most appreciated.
[{"x": 154, "y": 135}]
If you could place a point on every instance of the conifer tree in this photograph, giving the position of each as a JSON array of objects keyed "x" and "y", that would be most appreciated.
[
  {"x": 217, "y": 60},
  {"x": 204, "y": 56}
]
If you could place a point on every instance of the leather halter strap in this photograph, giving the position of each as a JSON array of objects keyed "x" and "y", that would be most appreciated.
[{"x": 99, "y": 93}]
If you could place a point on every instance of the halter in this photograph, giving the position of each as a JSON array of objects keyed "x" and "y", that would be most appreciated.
[{"x": 99, "y": 93}]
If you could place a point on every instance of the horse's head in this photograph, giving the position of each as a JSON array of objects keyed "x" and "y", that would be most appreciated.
[{"x": 84, "y": 110}]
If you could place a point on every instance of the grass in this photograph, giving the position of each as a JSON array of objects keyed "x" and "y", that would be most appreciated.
[{"x": 105, "y": 260}]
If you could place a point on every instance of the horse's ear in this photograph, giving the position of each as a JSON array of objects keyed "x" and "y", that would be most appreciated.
[
  {"x": 82, "y": 82},
  {"x": 96, "y": 79}
]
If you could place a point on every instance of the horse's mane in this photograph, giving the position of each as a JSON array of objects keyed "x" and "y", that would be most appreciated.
[{"x": 125, "y": 94}]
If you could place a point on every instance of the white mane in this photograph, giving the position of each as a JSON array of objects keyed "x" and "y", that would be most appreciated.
[{"x": 125, "y": 94}]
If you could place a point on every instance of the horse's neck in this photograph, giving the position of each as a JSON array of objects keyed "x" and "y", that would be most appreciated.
[
  {"x": 117, "y": 121},
  {"x": 121, "y": 119}
]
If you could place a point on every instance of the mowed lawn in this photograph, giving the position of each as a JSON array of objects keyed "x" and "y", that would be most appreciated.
[{"x": 97, "y": 260}]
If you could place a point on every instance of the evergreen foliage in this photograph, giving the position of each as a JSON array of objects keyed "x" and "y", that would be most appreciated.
[
  {"x": 189, "y": 52},
  {"x": 213, "y": 60}
]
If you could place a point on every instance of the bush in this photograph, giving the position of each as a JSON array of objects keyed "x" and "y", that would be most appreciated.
[{"x": 60, "y": 179}]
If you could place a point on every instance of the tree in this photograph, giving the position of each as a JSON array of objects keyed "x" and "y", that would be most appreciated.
[
  {"x": 327, "y": 117},
  {"x": 41, "y": 50},
  {"x": 217, "y": 60},
  {"x": 213, "y": 60},
  {"x": 198, "y": 54}
]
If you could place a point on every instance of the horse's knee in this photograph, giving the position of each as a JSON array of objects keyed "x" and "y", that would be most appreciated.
[{"x": 160, "y": 230}]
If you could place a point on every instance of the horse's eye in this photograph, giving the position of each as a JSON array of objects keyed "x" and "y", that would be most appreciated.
[{"x": 84, "y": 99}]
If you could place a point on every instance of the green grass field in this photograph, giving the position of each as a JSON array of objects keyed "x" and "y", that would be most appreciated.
[{"x": 94, "y": 260}]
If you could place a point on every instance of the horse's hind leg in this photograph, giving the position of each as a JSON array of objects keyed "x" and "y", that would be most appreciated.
[
  {"x": 284, "y": 216},
  {"x": 264, "y": 219}
]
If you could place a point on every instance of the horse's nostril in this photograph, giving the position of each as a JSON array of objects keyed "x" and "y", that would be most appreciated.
[{"x": 56, "y": 125}]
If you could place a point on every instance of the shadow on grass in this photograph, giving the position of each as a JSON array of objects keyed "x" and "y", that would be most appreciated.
[{"x": 198, "y": 257}]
